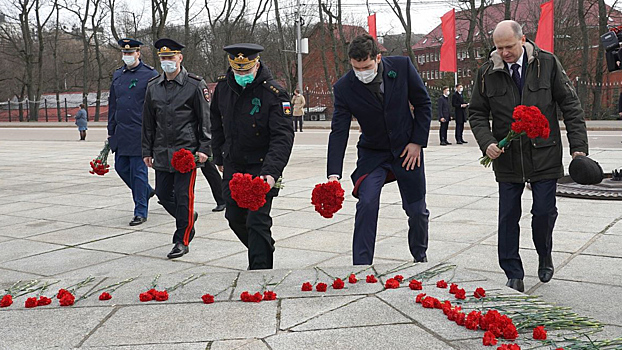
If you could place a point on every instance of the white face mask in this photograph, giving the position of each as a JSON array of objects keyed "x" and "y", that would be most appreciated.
[
  {"x": 446, "y": 93},
  {"x": 460, "y": 90},
  {"x": 129, "y": 60},
  {"x": 168, "y": 66},
  {"x": 366, "y": 76}
]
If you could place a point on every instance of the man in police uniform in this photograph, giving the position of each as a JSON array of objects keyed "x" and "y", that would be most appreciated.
[
  {"x": 252, "y": 133},
  {"x": 127, "y": 95},
  {"x": 176, "y": 115}
]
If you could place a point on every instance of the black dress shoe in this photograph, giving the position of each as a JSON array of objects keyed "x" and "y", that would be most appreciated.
[
  {"x": 219, "y": 207},
  {"x": 196, "y": 216},
  {"x": 425, "y": 259},
  {"x": 178, "y": 251},
  {"x": 444, "y": 143},
  {"x": 449, "y": 143},
  {"x": 458, "y": 142},
  {"x": 516, "y": 284},
  {"x": 545, "y": 268},
  {"x": 137, "y": 220},
  {"x": 463, "y": 141}
]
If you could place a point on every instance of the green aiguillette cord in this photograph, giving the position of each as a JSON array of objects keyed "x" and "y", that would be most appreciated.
[{"x": 256, "y": 104}]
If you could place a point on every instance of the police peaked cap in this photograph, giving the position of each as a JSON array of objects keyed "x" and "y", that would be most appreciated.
[
  {"x": 129, "y": 45},
  {"x": 168, "y": 47},
  {"x": 243, "y": 56},
  {"x": 585, "y": 171}
]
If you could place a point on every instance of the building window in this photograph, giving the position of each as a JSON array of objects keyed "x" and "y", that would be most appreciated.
[
  {"x": 436, "y": 74},
  {"x": 459, "y": 72},
  {"x": 427, "y": 57}
]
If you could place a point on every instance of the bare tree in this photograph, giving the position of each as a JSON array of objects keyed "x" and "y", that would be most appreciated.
[
  {"x": 406, "y": 24},
  {"x": 339, "y": 46},
  {"x": 97, "y": 17},
  {"x": 34, "y": 106},
  {"x": 327, "y": 80},
  {"x": 159, "y": 13},
  {"x": 113, "y": 28},
  {"x": 82, "y": 13},
  {"x": 598, "y": 77},
  {"x": 285, "y": 61}
]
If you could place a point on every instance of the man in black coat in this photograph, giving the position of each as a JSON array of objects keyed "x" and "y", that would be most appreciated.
[
  {"x": 252, "y": 133},
  {"x": 443, "y": 115},
  {"x": 379, "y": 92},
  {"x": 457, "y": 100}
]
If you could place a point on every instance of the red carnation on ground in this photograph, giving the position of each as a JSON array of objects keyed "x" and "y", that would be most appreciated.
[
  {"x": 510, "y": 332},
  {"x": 415, "y": 285},
  {"x": 352, "y": 279},
  {"x": 207, "y": 298},
  {"x": 184, "y": 161},
  {"x": 248, "y": 192},
  {"x": 479, "y": 293},
  {"x": 269, "y": 295},
  {"x": 44, "y": 301},
  {"x": 245, "y": 297},
  {"x": 461, "y": 294},
  {"x": 328, "y": 198},
  {"x": 391, "y": 283},
  {"x": 429, "y": 302},
  {"x": 144, "y": 297},
  {"x": 105, "y": 296},
  {"x": 321, "y": 287},
  {"x": 539, "y": 333},
  {"x": 399, "y": 278},
  {"x": 489, "y": 339},
  {"x": 307, "y": 287},
  {"x": 6, "y": 301},
  {"x": 472, "y": 320},
  {"x": 419, "y": 298},
  {"x": 67, "y": 299},
  {"x": 161, "y": 296},
  {"x": 257, "y": 297},
  {"x": 441, "y": 284},
  {"x": 338, "y": 284},
  {"x": 371, "y": 279},
  {"x": 527, "y": 121},
  {"x": 509, "y": 347},
  {"x": 30, "y": 302},
  {"x": 61, "y": 293}
]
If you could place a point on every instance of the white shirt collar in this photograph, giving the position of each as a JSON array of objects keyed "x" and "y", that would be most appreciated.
[{"x": 519, "y": 62}]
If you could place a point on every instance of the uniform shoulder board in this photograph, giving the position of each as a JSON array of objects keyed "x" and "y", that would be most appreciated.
[
  {"x": 148, "y": 66},
  {"x": 195, "y": 77},
  {"x": 154, "y": 78},
  {"x": 222, "y": 77},
  {"x": 272, "y": 86}
]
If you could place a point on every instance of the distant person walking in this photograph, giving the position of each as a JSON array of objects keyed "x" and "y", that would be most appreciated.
[
  {"x": 298, "y": 101},
  {"x": 81, "y": 122}
]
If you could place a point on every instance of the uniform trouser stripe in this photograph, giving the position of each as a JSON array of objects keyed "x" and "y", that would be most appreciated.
[{"x": 190, "y": 207}]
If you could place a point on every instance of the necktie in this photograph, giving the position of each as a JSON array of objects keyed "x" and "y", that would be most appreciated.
[{"x": 516, "y": 76}]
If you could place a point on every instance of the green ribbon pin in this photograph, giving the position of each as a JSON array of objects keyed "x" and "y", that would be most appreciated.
[
  {"x": 392, "y": 74},
  {"x": 133, "y": 83},
  {"x": 256, "y": 104}
]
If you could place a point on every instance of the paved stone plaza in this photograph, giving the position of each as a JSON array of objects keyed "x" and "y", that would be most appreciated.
[{"x": 60, "y": 223}]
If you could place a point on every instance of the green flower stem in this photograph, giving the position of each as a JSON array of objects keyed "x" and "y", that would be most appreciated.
[
  {"x": 110, "y": 288},
  {"x": 154, "y": 283},
  {"x": 265, "y": 285},
  {"x": 433, "y": 272},
  {"x": 185, "y": 282}
]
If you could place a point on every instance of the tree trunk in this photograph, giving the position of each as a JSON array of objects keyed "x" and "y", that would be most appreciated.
[
  {"x": 585, "y": 50},
  {"x": 98, "y": 58},
  {"x": 598, "y": 77},
  {"x": 285, "y": 62},
  {"x": 55, "y": 56},
  {"x": 327, "y": 79},
  {"x": 85, "y": 57},
  {"x": 508, "y": 13}
]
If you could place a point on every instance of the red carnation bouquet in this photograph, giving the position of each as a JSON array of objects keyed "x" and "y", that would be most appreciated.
[
  {"x": 248, "y": 192},
  {"x": 100, "y": 165},
  {"x": 184, "y": 161},
  {"x": 327, "y": 198},
  {"x": 528, "y": 121}
]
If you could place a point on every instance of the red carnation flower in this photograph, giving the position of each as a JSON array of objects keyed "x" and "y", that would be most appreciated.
[
  {"x": 453, "y": 288},
  {"x": 461, "y": 294},
  {"x": 391, "y": 284},
  {"x": 6, "y": 301},
  {"x": 419, "y": 298},
  {"x": 338, "y": 284},
  {"x": 472, "y": 320},
  {"x": 30, "y": 302},
  {"x": 399, "y": 278},
  {"x": 247, "y": 192},
  {"x": 161, "y": 296},
  {"x": 61, "y": 293},
  {"x": 245, "y": 297},
  {"x": 460, "y": 319},
  {"x": 183, "y": 161},
  {"x": 153, "y": 293},
  {"x": 352, "y": 279},
  {"x": 510, "y": 332},
  {"x": 44, "y": 301},
  {"x": 479, "y": 293},
  {"x": 105, "y": 296},
  {"x": 446, "y": 307},
  {"x": 371, "y": 279},
  {"x": 429, "y": 302},
  {"x": 509, "y": 347},
  {"x": 307, "y": 287},
  {"x": 67, "y": 299},
  {"x": 415, "y": 285},
  {"x": 489, "y": 339},
  {"x": 269, "y": 295},
  {"x": 321, "y": 287},
  {"x": 207, "y": 298},
  {"x": 441, "y": 284},
  {"x": 145, "y": 297},
  {"x": 539, "y": 333},
  {"x": 328, "y": 198}
]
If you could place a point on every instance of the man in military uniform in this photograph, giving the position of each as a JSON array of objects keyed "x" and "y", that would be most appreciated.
[
  {"x": 176, "y": 115},
  {"x": 125, "y": 118},
  {"x": 252, "y": 133}
]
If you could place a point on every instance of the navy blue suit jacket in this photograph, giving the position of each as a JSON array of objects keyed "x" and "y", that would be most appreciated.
[{"x": 386, "y": 127}]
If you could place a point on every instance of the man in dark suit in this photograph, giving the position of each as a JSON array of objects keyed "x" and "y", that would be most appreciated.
[
  {"x": 443, "y": 115},
  {"x": 457, "y": 100},
  {"x": 379, "y": 92}
]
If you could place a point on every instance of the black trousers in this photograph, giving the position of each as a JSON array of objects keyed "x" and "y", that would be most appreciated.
[
  {"x": 175, "y": 192},
  {"x": 443, "y": 131},
  {"x": 297, "y": 121},
  {"x": 214, "y": 180},
  {"x": 544, "y": 215},
  {"x": 459, "y": 131},
  {"x": 251, "y": 227}
]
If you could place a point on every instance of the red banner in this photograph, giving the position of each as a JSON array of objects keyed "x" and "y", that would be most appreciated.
[
  {"x": 545, "y": 37},
  {"x": 371, "y": 22},
  {"x": 449, "y": 59}
]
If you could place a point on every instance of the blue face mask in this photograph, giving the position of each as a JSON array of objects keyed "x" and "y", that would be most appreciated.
[{"x": 244, "y": 80}]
